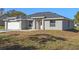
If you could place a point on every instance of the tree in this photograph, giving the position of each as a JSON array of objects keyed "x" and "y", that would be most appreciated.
[
  {"x": 77, "y": 17},
  {"x": 1, "y": 11},
  {"x": 13, "y": 13}
]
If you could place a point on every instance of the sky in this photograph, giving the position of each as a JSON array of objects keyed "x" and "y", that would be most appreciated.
[{"x": 67, "y": 12}]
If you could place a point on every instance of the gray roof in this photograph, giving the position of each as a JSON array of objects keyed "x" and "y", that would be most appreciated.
[
  {"x": 15, "y": 18},
  {"x": 46, "y": 14},
  {"x": 39, "y": 14}
]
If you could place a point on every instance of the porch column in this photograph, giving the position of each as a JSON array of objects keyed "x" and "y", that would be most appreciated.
[
  {"x": 34, "y": 24},
  {"x": 6, "y": 25},
  {"x": 43, "y": 24}
]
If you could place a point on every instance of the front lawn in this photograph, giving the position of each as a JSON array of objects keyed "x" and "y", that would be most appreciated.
[{"x": 39, "y": 40}]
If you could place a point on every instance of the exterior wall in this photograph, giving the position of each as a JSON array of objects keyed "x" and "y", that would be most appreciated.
[
  {"x": 71, "y": 24},
  {"x": 65, "y": 25},
  {"x": 68, "y": 24},
  {"x": 19, "y": 25},
  {"x": 16, "y": 25},
  {"x": 24, "y": 24},
  {"x": 58, "y": 25},
  {"x": 2, "y": 23}
]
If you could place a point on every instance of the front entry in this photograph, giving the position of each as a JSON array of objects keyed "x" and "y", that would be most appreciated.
[{"x": 40, "y": 24}]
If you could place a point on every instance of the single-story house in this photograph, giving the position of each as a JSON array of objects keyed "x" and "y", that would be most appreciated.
[{"x": 40, "y": 20}]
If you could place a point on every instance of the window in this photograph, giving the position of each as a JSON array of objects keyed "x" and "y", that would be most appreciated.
[{"x": 52, "y": 23}]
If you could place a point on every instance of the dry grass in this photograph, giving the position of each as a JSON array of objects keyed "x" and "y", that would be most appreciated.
[{"x": 57, "y": 40}]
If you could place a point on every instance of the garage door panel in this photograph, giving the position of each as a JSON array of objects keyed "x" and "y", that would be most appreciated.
[{"x": 13, "y": 25}]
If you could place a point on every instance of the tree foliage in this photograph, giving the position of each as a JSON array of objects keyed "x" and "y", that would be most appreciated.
[
  {"x": 13, "y": 13},
  {"x": 1, "y": 9},
  {"x": 77, "y": 17}
]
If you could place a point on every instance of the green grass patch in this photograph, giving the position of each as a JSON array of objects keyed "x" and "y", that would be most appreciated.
[
  {"x": 2, "y": 27},
  {"x": 77, "y": 28}
]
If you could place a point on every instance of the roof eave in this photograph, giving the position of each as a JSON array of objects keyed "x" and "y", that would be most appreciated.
[
  {"x": 38, "y": 17},
  {"x": 54, "y": 18}
]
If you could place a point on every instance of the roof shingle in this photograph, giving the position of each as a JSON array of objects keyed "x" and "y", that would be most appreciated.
[{"x": 46, "y": 14}]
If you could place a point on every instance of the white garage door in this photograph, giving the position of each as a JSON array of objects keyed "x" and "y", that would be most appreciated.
[{"x": 13, "y": 25}]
